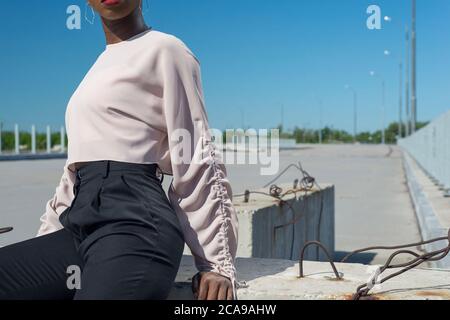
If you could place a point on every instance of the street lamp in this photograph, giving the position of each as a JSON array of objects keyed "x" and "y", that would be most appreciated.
[
  {"x": 320, "y": 103},
  {"x": 1, "y": 128},
  {"x": 305, "y": 131},
  {"x": 387, "y": 53},
  {"x": 321, "y": 121},
  {"x": 383, "y": 94},
  {"x": 409, "y": 115},
  {"x": 355, "y": 111},
  {"x": 413, "y": 70}
]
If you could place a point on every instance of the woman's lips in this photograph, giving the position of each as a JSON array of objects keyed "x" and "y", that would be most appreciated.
[{"x": 110, "y": 2}]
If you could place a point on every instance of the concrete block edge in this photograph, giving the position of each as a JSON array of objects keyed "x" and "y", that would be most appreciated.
[{"x": 429, "y": 224}]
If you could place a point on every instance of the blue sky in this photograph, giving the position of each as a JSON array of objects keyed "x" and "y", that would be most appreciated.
[{"x": 256, "y": 56}]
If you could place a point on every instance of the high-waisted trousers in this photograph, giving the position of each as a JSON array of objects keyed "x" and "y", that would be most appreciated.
[{"x": 121, "y": 236}]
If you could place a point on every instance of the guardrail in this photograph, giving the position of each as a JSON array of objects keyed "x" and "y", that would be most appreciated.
[
  {"x": 430, "y": 147},
  {"x": 30, "y": 148}
]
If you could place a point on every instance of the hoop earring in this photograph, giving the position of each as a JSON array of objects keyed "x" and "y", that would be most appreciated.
[
  {"x": 146, "y": 6},
  {"x": 91, "y": 21}
]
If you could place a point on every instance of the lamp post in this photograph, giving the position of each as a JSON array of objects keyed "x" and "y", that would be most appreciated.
[
  {"x": 407, "y": 98},
  {"x": 408, "y": 115},
  {"x": 321, "y": 120},
  {"x": 355, "y": 111},
  {"x": 400, "y": 96},
  {"x": 320, "y": 103},
  {"x": 383, "y": 95},
  {"x": 1, "y": 128},
  {"x": 413, "y": 66}
]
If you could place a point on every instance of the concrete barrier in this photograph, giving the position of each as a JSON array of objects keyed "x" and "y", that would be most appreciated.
[
  {"x": 428, "y": 150},
  {"x": 429, "y": 224},
  {"x": 270, "y": 230},
  {"x": 29, "y": 156},
  {"x": 430, "y": 147}
]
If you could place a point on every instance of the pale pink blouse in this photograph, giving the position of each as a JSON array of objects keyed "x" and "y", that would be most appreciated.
[{"x": 132, "y": 106}]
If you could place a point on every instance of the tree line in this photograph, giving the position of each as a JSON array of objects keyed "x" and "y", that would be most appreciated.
[
  {"x": 8, "y": 140},
  {"x": 331, "y": 135},
  {"x": 301, "y": 135}
]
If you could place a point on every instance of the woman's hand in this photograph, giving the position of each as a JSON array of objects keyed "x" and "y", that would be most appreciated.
[{"x": 211, "y": 286}]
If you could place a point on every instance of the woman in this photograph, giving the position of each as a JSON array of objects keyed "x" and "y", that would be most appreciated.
[{"x": 138, "y": 112}]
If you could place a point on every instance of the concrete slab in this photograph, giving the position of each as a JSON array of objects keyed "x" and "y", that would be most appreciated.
[
  {"x": 270, "y": 229},
  {"x": 269, "y": 279}
]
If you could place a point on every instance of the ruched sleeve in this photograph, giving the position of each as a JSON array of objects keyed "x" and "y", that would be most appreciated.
[
  {"x": 200, "y": 191},
  {"x": 61, "y": 200}
]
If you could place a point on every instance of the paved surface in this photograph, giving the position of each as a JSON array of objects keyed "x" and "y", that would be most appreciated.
[
  {"x": 268, "y": 279},
  {"x": 373, "y": 205}
]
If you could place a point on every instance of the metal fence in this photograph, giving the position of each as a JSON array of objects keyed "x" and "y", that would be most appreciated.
[
  {"x": 30, "y": 147},
  {"x": 430, "y": 147}
]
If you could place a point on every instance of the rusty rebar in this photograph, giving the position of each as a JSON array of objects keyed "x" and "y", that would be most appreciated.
[
  {"x": 391, "y": 247},
  {"x": 330, "y": 260},
  {"x": 306, "y": 183},
  {"x": 364, "y": 289},
  {"x": 5, "y": 230}
]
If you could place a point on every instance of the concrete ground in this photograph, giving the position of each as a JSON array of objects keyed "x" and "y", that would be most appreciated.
[
  {"x": 373, "y": 205},
  {"x": 269, "y": 279}
]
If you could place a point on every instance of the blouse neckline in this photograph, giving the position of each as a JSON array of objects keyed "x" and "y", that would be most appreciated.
[{"x": 131, "y": 39}]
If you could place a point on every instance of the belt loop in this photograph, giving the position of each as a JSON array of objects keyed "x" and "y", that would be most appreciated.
[
  {"x": 106, "y": 169},
  {"x": 160, "y": 173}
]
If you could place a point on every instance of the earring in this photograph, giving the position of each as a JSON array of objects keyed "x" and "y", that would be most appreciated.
[
  {"x": 91, "y": 21},
  {"x": 143, "y": 10}
]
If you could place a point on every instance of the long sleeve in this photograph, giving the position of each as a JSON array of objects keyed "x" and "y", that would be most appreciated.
[
  {"x": 60, "y": 201},
  {"x": 200, "y": 191}
]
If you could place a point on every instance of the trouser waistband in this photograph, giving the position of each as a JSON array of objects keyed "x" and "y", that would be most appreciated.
[{"x": 104, "y": 167}]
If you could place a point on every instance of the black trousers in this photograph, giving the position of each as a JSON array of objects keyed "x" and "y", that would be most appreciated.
[{"x": 120, "y": 232}]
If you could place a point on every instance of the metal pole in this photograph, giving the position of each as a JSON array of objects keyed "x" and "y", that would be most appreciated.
[
  {"x": 383, "y": 90},
  {"x": 400, "y": 102},
  {"x": 355, "y": 115},
  {"x": 33, "y": 139},
  {"x": 414, "y": 70},
  {"x": 383, "y": 134},
  {"x": 49, "y": 142},
  {"x": 63, "y": 139},
  {"x": 321, "y": 121},
  {"x": 16, "y": 138},
  {"x": 1, "y": 128},
  {"x": 355, "y": 111},
  {"x": 407, "y": 98}
]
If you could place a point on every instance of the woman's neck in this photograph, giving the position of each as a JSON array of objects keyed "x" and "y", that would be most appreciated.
[{"x": 120, "y": 30}]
